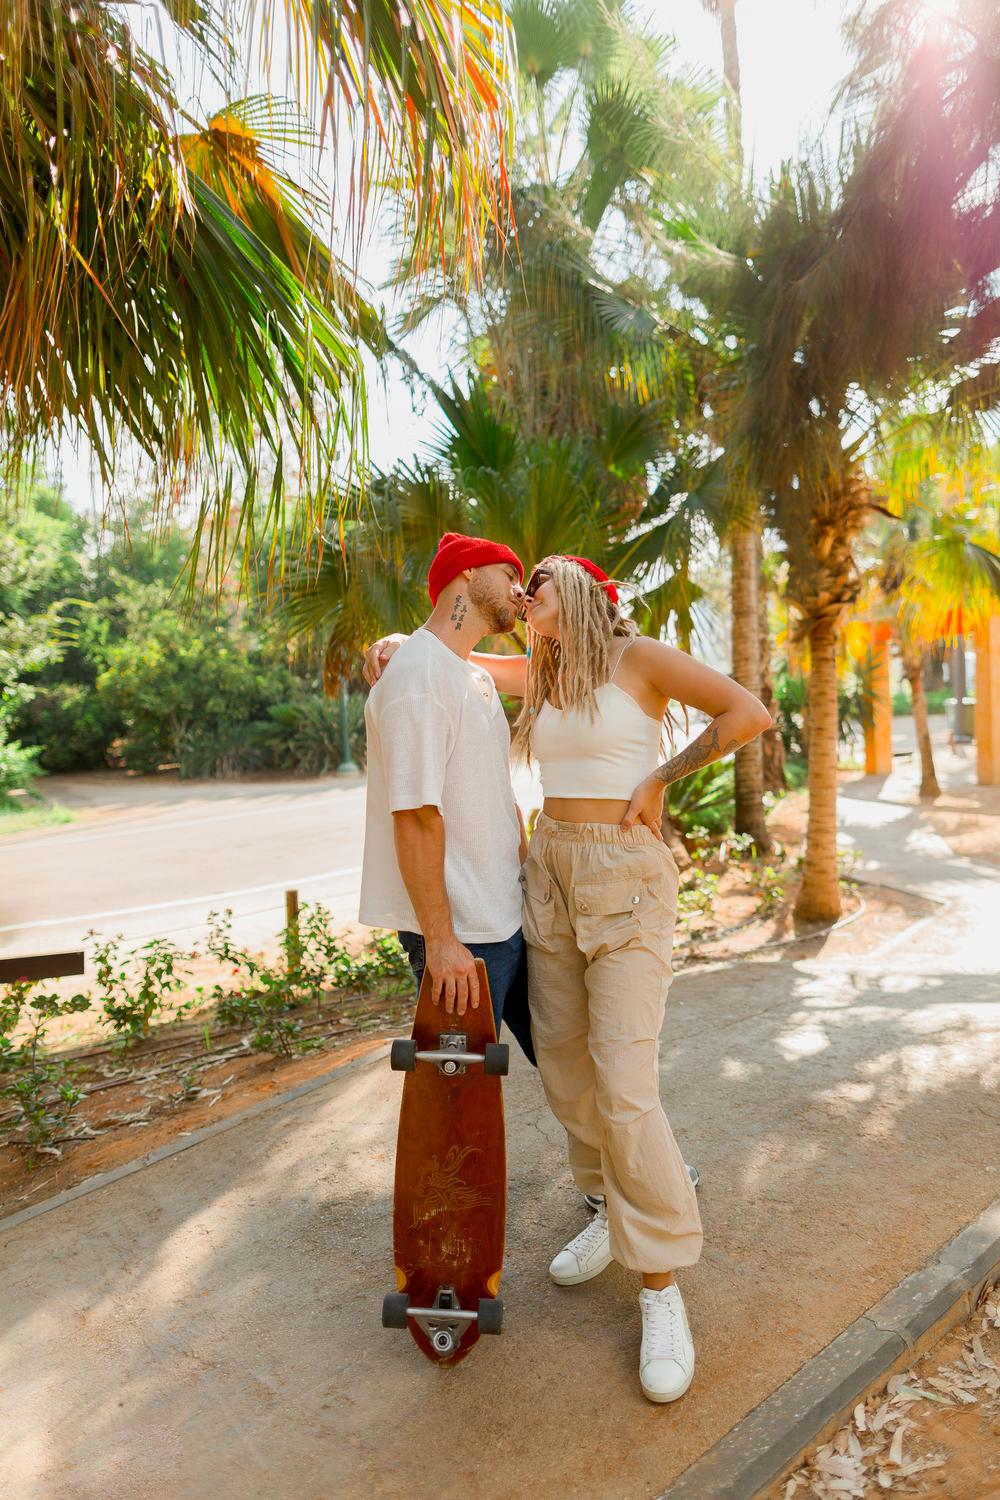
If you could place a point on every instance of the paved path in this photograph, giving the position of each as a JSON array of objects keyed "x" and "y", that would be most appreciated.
[{"x": 208, "y": 1327}]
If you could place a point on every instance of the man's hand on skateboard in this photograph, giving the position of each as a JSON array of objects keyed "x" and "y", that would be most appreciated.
[{"x": 453, "y": 975}]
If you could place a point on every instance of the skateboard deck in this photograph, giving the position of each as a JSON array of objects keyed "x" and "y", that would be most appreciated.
[{"x": 450, "y": 1201}]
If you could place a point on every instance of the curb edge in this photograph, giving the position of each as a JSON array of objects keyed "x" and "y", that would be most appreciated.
[{"x": 813, "y": 1403}]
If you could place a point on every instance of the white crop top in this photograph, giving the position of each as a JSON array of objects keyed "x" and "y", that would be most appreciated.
[{"x": 604, "y": 757}]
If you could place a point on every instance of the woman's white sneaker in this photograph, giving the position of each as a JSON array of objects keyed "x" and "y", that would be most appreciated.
[
  {"x": 666, "y": 1360},
  {"x": 585, "y": 1256}
]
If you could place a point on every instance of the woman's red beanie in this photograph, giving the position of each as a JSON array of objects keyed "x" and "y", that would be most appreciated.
[
  {"x": 456, "y": 552},
  {"x": 595, "y": 572}
]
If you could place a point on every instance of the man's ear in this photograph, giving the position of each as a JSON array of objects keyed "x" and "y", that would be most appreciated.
[{"x": 467, "y": 574}]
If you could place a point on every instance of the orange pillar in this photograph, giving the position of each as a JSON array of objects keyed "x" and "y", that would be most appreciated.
[
  {"x": 988, "y": 703},
  {"x": 878, "y": 739}
]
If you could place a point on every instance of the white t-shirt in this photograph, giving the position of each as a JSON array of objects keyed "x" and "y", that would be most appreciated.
[{"x": 438, "y": 736}]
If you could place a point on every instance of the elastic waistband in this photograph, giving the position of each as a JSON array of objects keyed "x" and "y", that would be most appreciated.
[{"x": 595, "y": 833}]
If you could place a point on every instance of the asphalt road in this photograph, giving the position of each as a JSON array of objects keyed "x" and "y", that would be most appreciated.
[{"x": 152, "y": 857}]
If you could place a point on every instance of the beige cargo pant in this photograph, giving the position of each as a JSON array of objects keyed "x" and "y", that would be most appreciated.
[{"x": 599, "y": 910}]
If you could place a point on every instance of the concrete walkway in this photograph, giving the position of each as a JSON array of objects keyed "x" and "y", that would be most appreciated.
[{"x": 209, "y": 1327}]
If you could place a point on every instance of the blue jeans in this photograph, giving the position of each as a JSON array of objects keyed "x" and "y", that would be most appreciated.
[{"x": 507, "y": 971}]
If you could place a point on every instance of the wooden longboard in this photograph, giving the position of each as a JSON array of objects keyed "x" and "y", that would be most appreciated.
[{"x": 451, "y": 1179}]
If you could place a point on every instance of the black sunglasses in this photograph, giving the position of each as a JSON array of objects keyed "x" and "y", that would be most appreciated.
[{"x": 538, "y": 577}]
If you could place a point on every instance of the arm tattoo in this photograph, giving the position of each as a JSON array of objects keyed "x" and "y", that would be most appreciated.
[
  {"x": 699, "y": 753},
  {"x": 459, "y": 611}
]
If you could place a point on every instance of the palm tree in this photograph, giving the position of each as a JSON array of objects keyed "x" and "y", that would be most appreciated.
[
  {"x": 164, "y": 285},
  {"x": 569, "y": 330},
  {"x": 725, "y": 13},
  {"x": 749, "y": 606},
  {"x": 832, "y": 308},
  {"x": 939, "y": 573},
  {"x": 542, "y": 494}
]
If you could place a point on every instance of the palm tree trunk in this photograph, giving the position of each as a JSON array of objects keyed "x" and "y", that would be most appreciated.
[
  {"x": 749, "y": 774},
  {"x": 772, "y": 745},
  {"x": 730, "y": 49},
  {"x": 819, "y": 896},
  {"x": 913, "y": 668}
]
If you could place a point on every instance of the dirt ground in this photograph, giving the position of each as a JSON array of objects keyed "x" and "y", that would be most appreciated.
[{"x": 934, "y": 1432}]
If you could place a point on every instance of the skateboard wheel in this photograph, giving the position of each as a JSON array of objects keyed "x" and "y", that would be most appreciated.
[
  {"x": 394, "y": 1307},
  {"x": 496, "y": 1058},
  {"x": 490, "y": 1314},
  {"x": 403, "y": 1057}
]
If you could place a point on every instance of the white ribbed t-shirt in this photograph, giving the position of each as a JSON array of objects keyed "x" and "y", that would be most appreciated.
[{"x": 438, "y": 736}]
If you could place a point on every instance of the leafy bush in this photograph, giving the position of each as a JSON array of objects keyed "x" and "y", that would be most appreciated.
[
  {"x": 704, "y": 799},
  {"x": 792, "y": 703},
  {"x": 100, "y": 664},
  {"x": 792, "y": 697},
  {"x": 172, "y": 680},
  {"x": 39, "y": 1087},
  {"x": 937, "y": 699},
  {"x": 304, "y": 735},
  {"x": 697, "y": 893},
  {"x": 223, "y": 750},
  {"x": 71, "y": 726},
  {"x": 268, "y": 1001},
  {"x": 19, "y": 769},
  {"x": 134, "y": 987}
]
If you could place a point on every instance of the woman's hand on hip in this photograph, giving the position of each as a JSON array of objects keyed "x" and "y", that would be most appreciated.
[{"x": 646, "y": 806}]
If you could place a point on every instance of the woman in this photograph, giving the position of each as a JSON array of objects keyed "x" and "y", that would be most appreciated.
[{"x": 600, "y": 900}]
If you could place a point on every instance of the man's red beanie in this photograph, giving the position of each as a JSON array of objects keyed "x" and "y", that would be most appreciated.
[
  {"x": 456, "y": 552},
  {"x": 595, "y": 572}
]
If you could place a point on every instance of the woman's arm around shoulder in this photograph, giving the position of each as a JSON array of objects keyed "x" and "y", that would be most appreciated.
[{"x": 510, "y": 673}]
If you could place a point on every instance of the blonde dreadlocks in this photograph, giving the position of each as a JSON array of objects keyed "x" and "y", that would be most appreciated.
[{"x": 570, "y": 669}]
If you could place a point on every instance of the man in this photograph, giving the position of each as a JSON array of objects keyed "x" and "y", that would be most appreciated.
[{"x": 444, "y": 839}]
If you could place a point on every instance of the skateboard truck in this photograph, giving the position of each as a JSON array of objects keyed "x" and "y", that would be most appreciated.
[
  {"x": 444, "y": 1322},
  {"x": 452, "y": 1055}
]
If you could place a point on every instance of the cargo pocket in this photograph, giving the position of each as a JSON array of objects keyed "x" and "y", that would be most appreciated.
[
  {"x": 538, "y": 904},
  {"x": 611, "y": 914}
]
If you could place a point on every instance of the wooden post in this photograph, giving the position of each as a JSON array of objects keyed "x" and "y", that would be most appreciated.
[
  {"x": 988, "y": 703},
  {"x": 878, "y": 739},
  {"x": 292, "y": 944},
  {"x": 291, "y": 909}
]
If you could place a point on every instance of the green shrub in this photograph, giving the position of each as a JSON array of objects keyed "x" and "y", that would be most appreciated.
[
  {"x": 268, "y": 1000},
  {"x": 71, "y": 726},
  {"x": 19, "y": 769},
  {"x": 304, "y": 735},
  {"x": 223, "y": 750},
  {"x": 937, "y": 700},
  {"x": 39, "y": 1087},
  {"x": 172, "y": 682},
  {"x": 704, "y": 799},
  {"x": 792, "y": 698},
  {"x": 134, "y": 986}
]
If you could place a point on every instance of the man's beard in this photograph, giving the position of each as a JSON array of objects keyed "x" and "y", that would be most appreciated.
[{"x": 499, "y": 615}]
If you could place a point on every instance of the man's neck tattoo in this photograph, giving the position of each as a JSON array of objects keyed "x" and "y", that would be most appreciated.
[{"x": 459, "y": 610}]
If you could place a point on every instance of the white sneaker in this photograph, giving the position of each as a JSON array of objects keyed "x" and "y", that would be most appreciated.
[
  {"x": 585, "y": 1256},
  {"x": 666, "y": 1360}
]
